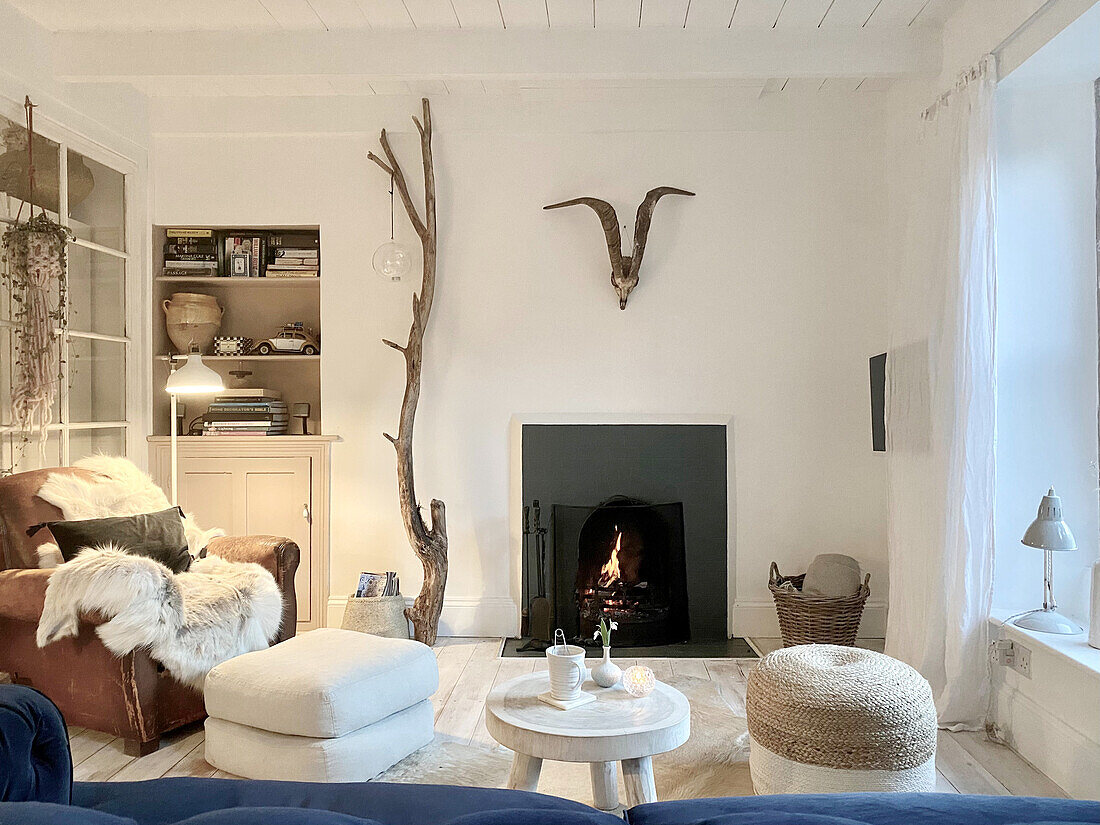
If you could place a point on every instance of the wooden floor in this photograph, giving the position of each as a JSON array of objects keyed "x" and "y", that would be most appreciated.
[{"x": 468, "y": 669}]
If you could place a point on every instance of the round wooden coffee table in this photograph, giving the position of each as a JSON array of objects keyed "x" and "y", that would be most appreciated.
[{"x": 615, "y": 728}]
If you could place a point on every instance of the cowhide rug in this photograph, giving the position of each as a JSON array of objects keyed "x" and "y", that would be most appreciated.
[{"x": 713, "y": 762}]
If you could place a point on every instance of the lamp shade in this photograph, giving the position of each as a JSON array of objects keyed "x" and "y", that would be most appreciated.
[
  {"x": 194, "y": 378},
  {"x": 1048, "y": 531}
]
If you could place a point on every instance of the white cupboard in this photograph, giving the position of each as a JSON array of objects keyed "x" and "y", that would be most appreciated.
[{"x": 277, "y": 485}]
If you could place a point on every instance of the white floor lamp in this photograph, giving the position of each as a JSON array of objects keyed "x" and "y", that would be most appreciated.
[
  {"x": 1049, "y": 533},
  {"x": 192, "y": 378}
]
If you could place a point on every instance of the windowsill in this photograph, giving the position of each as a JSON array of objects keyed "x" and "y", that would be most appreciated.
[{"x": 1074, "y": 648}]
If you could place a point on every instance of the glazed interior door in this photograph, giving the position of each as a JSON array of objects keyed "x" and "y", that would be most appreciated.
[{"x": 251, "y": 496}]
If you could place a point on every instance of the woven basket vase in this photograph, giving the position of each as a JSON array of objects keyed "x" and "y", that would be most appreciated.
[
  {"x": 378, "y": 615},
  {"x": 807, "y": 620},
  {"x": 831, "y": 719}
]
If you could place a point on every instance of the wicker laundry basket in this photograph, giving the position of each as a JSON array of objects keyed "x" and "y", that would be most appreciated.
[
  {"x": 377, "y": 615},
  {"x": 807, "y": 620}
]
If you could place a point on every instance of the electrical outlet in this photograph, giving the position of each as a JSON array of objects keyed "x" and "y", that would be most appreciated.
[{"x": 1021, "y": 660}]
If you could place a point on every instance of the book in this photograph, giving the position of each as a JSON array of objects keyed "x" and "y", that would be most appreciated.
[
  {"x": 179, "y": 272},
  {"x": 189, "y": 248},
  {"x": 249, "y": 433},
  {"x": 191, "y": 256},
  {"x": 293, "y": 268},
  {"x": 239, "y": 418},
  {"x": 247, "y": 407},
  {"x": 181, "y": 232},
  {"x": 296, "y": 252},
  {"x": 248, "y": 394},
  {"x": 303, "y": 240}
]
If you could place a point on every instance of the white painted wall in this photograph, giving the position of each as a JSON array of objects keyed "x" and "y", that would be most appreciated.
[{"x": 760, "y": 301}]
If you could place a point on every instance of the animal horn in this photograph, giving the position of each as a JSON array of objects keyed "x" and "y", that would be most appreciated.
[
  {"x": 610, "y": 222},
  {"x": 645, "y": 217}
]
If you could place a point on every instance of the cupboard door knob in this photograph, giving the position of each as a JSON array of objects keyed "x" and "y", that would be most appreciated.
[{"x": 305, "y": 512}]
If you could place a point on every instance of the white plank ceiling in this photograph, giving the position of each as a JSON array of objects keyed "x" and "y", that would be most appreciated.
[
  {"x": 334, "y": 15},
  {"x": 825, "y": 19}
]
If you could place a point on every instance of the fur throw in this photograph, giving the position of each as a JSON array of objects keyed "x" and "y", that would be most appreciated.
[
  {"x": 189, "y": 622},
  {"x": 120, "y": 490}
]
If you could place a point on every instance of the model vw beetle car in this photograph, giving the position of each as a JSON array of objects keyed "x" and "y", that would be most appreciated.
[{"x": 295, "y": 339}]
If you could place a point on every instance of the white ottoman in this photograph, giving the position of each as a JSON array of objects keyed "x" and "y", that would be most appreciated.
[
  {"x": 829, "y": 719},
  {"x": 326, "y": 706}
]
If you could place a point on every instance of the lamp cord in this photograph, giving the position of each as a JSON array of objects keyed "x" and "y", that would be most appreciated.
[{"x": 391, "y": 207}]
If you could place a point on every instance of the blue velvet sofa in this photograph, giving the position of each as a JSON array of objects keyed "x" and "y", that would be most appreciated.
[{"x": 36, "y": 788}]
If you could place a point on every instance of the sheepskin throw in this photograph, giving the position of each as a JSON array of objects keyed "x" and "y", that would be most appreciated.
[
  {"x": 188, "y": 621},
  {"x": 120, "y": 489}
]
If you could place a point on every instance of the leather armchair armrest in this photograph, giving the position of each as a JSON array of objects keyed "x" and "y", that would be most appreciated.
[
  {"x": 279, "y": 555},
  {"x": 23, "y": 592}
]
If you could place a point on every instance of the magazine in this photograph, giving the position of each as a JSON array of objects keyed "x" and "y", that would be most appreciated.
[{"x": 373, "y": 585}]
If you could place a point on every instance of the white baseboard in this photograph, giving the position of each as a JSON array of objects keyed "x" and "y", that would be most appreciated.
[
  {"x": 1055, "y": 748},
  {"x": 757, "y": 618},
  {"x": 484, "y": 616}
]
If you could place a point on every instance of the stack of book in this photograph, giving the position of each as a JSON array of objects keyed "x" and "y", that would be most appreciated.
[
  {"x": 190, "y": 252},
  {"x": 294, "y": 255},
  {"x": 244, "y": 255},
  {"x": 248, "y": 411}
]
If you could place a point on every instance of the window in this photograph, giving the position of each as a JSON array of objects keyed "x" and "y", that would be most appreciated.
[{"x": 93, "y": 411}]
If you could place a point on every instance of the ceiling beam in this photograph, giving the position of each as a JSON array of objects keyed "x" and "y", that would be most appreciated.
[{"x": 412, "y": 55}]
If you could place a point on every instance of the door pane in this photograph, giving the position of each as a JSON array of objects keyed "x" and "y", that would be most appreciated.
[
  {"x": 109, "y": 441},
  {"x": 96, "y": 202},
  {"x": 14, "y": 185},
  {"x": 9, "y": 373},
  {"x": 97, "y": 292},
  {"x": 19, "y": 455},
  {"x": 97, "y": 380}
]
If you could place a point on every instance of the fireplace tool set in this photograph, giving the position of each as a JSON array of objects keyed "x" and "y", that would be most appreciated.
[{"x": 538, "y": 610}]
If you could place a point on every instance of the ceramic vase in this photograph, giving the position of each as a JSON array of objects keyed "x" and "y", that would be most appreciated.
[
  {"x": 192, "y": 320},
  {"x": 606, "y": 673}
]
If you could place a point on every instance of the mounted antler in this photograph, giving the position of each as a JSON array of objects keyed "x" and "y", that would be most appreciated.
[{"x": 624, "y": 269}]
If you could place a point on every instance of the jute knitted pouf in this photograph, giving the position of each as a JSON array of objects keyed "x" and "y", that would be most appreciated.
[{"x": 829, "y": 719}]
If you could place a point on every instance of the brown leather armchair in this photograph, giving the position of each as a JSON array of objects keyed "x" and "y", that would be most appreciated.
[{"x": 130, "y": 696}]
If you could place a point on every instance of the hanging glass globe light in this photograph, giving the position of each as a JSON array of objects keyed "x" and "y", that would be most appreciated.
[{"x": 392, "y": 260}]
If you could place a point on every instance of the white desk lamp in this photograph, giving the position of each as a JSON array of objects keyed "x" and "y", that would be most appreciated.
[
  {"x": 193, "y": 378},
  {"x": 1049, "y": 533}
]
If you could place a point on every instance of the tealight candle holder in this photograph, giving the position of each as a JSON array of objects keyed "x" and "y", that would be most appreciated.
[{"x": 639, "y": 681}]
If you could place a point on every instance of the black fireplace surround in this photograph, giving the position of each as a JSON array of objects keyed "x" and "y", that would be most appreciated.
[{"x": 636, "y": 529}]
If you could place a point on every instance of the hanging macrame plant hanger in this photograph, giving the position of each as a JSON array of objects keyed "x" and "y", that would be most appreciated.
[{"x": 36, "y": 275}]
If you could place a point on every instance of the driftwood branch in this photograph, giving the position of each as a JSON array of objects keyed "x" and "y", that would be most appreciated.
[{"x": 429, "y": 543}]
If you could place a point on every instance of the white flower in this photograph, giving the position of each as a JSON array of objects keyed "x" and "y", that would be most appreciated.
[
  {"x": 596, "y": 635},
  {"x": 614, "y": 625}
]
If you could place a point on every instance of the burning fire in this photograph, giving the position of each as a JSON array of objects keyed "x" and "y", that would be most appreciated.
[{"x": 610, "y": 572}]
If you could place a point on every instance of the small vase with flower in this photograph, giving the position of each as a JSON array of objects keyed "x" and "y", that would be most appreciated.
[{"x": 606, "y": 673}]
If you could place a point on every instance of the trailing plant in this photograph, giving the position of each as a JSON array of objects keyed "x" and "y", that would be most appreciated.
[{"x": 35, "y": 273}]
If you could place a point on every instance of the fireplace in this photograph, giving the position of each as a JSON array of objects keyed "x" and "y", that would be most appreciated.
[
  {"x": 630, "y": 569},
  {"x": 634, "y": 527}
]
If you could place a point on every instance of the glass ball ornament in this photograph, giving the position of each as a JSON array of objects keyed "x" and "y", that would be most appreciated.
[
  {"x": 639, "y": 681},
  {"x": 392, "y": 260}
]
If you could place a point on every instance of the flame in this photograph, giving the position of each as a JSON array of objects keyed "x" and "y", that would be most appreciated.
[{"x": 610, "y": 572}]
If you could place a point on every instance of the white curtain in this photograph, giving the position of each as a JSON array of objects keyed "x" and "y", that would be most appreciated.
[{"x": 941, "y": 398}]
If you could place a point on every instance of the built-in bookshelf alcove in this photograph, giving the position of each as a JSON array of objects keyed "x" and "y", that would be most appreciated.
[{"x": 255, "y": 306}]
